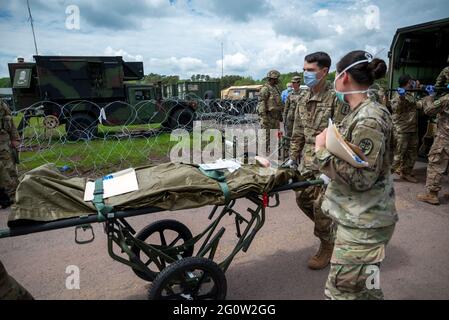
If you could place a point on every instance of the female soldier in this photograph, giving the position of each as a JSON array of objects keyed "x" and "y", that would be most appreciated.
[{"x": 360, "y": 201}]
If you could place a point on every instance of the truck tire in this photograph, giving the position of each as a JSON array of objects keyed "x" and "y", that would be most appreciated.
[
  {"x": 209, "y": 95},
  {"x": 81, "y": 126},
  {"x": 182, "y": 119}
]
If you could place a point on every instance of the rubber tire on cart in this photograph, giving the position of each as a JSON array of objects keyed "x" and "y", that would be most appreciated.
[
  {"x": 176, "y": 275},
  {"x": 159, "y": 227}
]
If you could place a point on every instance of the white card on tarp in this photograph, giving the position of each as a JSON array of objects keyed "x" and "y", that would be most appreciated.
[
  {"x": 114, "y": 184},
  {"x": 230, "y": 164}
]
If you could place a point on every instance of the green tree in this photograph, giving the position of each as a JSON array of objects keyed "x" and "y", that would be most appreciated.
[{"x": 5, "y": 83}]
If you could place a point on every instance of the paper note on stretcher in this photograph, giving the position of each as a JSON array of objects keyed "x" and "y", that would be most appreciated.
[
  {"x": 114, "y": 184},
  {"x": 344, "y": 150}
]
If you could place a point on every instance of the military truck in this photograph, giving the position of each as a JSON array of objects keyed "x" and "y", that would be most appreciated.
[
  {"x": 81, "y": 92},
  {"x": 241, "y": 92},
  {"x": 422, "y": 51},
  {"x": 203, "y": 90}
]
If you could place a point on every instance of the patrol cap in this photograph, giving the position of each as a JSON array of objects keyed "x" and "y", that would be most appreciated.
[
  {"x": 296, "y": 79},
  {"x": 273, "y": 74}
]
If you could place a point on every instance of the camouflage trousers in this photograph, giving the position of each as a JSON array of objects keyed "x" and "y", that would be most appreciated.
[
  {"x": 10, "y": 289},
  {"x": 268, "y": 121},
  {"x": 10, "y": 179},
  {"x": 438, "y": 165},
  {"x": 406, "y": 152},
  {"x": 309, "y": 201},
  {"x": 289, "y": 121},
  {"x": 355, "y": 264}
]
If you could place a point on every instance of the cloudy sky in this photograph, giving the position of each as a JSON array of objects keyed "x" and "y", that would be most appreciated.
[{"x": 184, "y": 36}]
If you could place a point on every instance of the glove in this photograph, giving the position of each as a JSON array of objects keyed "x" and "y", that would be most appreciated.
[
  {"x": 326, "y": 179},
  {"x": 430, "y": 90},
  {"x": 290, "y": 164},
  {"x": 401, "y": 91}
]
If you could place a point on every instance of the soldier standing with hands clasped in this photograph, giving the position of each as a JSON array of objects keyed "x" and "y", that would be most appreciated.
[{"x": 270, "y": 106}]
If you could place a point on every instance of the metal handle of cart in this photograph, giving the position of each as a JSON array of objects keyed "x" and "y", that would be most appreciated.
[{"x": 174, "y": 271}]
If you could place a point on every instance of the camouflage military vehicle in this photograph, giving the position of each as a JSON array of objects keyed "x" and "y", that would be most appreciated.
[
  {"x": 422, "y": 52},
  {"x": 198, "y": 90},
  {"x": 80, "y": 92}
]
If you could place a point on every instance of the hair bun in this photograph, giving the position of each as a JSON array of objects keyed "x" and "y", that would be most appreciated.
[{"x": 377, "y": 68}]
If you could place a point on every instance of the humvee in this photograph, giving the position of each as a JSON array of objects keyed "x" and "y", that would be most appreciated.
[
  {"x": 422, "y": 52},
  {"x": 81, "y": 92}
]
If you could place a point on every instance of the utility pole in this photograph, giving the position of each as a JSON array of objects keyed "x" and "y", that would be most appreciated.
[
  {"x": 222, "y": 60},
  {"x": 32, "y": 26}
]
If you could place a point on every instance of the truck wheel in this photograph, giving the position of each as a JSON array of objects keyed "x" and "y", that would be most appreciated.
[
  {"x": 81, "y": 126},
  {"x": 182, "y": 119},
  {"x": 209, "y": 95}
]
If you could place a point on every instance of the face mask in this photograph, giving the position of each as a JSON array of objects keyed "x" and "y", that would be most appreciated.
[
  {"x": 413, "y": 83},
  {"x": 341, "y": 95},
  {"x": 310, "y": 79}
]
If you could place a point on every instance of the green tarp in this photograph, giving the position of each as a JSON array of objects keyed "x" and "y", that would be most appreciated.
[{"x": 44, "y": 194}]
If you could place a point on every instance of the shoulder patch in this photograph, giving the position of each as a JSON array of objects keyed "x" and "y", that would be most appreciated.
[
  {"x": 367, "y": 146},
  {"x": 345, "y": 109}
]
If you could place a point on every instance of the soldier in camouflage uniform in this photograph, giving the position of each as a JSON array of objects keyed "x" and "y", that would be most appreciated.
[
  {"x": 10, "y": 289},
  {"x": 360, "y": 201},
  {"x": 439, "y": 153},
  {"x": 443, "y": 78},
  {"x": 290, "y": 105},
  {"x": 270, "y": 106},
  {"x": 314, "y": 109},
  {"x": 9, "y": 140},
  {"x": 405, "y": 120}
]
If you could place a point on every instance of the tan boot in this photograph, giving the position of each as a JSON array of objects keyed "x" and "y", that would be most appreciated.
[
  {"x": 322, "y": 257},
  {"x": 431, "y": 197},
  {"x": 409, "y": 178}
]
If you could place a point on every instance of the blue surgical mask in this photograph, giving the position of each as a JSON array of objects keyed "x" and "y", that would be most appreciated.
[{"x": 310, "y": 79}]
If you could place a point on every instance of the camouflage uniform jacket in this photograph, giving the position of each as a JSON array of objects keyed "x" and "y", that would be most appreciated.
[
  {"x": 440, "y": 108},
  {"x": 443, "y": 78},
  {"x": 269, "y": 99},
  {"x": 405, "y": 113},
  {"x": 8, "y": 131},
  {"x": 313, "y": 112},
  {"x": 362, "y": 198},
  {"x": 290, "y": 103}
]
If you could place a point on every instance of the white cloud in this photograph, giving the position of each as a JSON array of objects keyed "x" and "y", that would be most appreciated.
[
  {"x": 184, "y": 36},
  {"x": 109, "y": 51},
  {"x": 235, "y": 62}
]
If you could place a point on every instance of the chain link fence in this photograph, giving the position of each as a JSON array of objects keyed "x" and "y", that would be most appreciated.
[{"x": 84, "y": 138}]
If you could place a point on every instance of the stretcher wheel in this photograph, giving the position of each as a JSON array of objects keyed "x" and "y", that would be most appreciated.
[
  {"x": 192, "y": 278},
  {"x": 164, "y": 233}
]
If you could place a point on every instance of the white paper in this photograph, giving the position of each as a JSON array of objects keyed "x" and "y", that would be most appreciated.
[
  {"x": 114, "y": 184},
  {"x": 230, "y": 165},
  {"x": 336, "y": 145}
]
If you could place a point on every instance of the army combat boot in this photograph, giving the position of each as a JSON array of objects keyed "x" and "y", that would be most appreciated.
[
  {"x": 322, "y": 257},
  {"x": 430, "y": 197},
  {"x": 409, "y": 178}
]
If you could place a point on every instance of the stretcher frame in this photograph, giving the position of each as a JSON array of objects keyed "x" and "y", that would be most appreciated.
[{"x": 121, "y": 234}]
